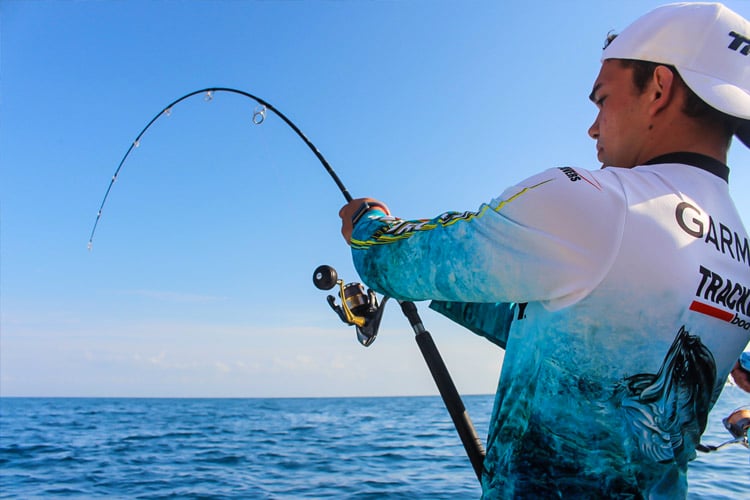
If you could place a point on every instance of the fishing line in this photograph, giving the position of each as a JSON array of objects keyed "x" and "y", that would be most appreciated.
[{"x": 259, "y": 116}]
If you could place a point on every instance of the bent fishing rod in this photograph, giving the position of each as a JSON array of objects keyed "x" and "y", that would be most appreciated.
[
  {"x": 358, "y": 308},
  {"x": 259, "y": 115}
]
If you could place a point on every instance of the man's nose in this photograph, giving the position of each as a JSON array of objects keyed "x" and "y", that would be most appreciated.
[{"x": 594, "y": 129}]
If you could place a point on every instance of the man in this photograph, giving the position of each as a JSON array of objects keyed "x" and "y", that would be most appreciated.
[{"x": 621, "y": 295}]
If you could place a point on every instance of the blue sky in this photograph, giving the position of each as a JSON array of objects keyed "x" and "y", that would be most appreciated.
[{"x": 199, "y": 282}]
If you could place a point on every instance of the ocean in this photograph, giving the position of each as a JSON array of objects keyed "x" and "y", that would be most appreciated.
[{"x": 397, "y": 447}]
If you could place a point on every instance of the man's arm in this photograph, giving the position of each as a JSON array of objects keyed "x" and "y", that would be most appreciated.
[
  {"x": 491, "y": 321},
  {"x": 547, "y": 239}
]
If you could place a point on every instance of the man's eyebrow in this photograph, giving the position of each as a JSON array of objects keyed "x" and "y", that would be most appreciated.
[{"x": 592, "y": 95}]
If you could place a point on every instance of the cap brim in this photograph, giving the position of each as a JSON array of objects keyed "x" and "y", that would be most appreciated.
[{"x": 727, "y": 98}]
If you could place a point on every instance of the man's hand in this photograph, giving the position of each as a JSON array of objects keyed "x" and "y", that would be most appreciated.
[
  {"x": 741, "y": 377},
  {"x": 355, "y": 208}
]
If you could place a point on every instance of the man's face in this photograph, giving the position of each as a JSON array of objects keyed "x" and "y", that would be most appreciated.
[{"x": 622, "y": 124}]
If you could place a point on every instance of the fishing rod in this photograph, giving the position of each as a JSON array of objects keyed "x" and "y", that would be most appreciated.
[
  {"x": 359, "y": 308},
  {"x": 363, "y": 311}
]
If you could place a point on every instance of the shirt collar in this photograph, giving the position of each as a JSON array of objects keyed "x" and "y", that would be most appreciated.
[{"x": 696, "y": 160}]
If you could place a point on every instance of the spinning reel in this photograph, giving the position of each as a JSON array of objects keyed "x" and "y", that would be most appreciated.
[
  {"x": 358, "y": 308},
  {"x": 738, "y": 425}
]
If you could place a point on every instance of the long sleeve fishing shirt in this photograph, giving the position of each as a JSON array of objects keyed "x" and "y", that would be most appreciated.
[{"x": 622, "y": 298}]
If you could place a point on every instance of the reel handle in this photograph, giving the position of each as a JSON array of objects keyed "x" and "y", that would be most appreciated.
[{"x": 325, "y": 277}]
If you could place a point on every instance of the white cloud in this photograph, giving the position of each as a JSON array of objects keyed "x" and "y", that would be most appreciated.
[{"x": 187, "y": 358}]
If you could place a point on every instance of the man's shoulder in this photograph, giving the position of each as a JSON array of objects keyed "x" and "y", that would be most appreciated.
[{"x": 571, "y": 181}]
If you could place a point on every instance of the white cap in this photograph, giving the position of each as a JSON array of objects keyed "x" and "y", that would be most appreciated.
[{"x": 708, "y": 43}]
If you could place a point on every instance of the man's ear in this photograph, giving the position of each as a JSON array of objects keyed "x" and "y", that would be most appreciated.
[{"x": 661, "y": 89}]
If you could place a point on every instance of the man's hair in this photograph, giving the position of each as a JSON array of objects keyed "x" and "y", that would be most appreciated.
[{"x": 694, "y": 106}]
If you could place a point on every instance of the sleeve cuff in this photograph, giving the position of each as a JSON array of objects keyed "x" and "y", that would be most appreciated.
[{"x": 366, "y": 208}]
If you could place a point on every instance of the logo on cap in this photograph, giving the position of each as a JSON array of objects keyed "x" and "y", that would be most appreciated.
[{"x": 738, "y": 41}]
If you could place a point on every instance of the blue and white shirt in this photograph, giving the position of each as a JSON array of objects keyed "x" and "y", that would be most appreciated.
[{"x": 622, "y": 297}]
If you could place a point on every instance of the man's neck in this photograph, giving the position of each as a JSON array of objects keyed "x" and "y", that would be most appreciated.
[{"x": 684, "y": 136}]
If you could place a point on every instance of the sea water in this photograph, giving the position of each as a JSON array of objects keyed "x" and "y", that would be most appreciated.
[{"x": 400, "y": 447}]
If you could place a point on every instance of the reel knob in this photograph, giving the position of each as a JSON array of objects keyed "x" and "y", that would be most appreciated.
[{"x": 325, "y": 277}]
